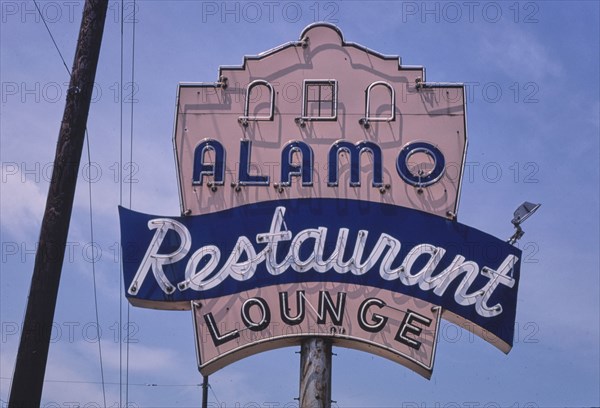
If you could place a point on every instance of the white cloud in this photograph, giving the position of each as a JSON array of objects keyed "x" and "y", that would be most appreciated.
[
  {"x": 142, "y": 358},
  {"x": 68, "y": 377},
  {"x": 519, "y": 54},
  {"x": 23, "y": 201}
]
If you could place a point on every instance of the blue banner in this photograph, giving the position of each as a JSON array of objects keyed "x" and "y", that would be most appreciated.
[{"x": 170, "y": 261}]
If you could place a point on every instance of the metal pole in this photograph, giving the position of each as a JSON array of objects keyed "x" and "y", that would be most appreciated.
[
  {"x": 28, "y": 379},
  {"x": 205, "y": 392},
  {"x": 315, "y": 373}
]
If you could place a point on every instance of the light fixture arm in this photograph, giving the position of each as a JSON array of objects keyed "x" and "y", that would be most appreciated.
[
  {"x": 517, "y": 235},
  {"x": 523, "y": 212}
]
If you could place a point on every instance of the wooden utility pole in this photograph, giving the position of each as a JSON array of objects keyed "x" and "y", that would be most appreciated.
[
  {"x": 28, "y": 380},
  {"x": 315, "y": 373}
]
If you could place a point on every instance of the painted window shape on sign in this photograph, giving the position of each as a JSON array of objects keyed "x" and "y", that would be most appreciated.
[
  {"x": 319, "y": 101},
  {"x": 259, "y": 103},
  {"x": 380, "y": 104}
]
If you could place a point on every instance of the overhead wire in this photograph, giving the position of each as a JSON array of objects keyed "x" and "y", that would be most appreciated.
[
  {"x": 51, "y": 36},
  {"x": 131, "y": 167},
  {"x": 119, "y": 172},
  {"x": 214, "y": 395},
  {"x": 93, "y": 246},
  {"x": 115, "y": 383}
]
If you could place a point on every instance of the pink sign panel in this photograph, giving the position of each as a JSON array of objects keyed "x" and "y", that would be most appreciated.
[
  {"x": 395, "y": 326},
  {"x": 320, "y": 117}
]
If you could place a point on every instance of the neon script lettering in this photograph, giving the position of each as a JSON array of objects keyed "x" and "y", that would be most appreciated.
[{"x": 202, "y": 272}]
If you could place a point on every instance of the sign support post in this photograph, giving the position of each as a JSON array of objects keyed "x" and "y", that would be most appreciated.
[
  {"x": 205, "y": 391},
  {"x": 315, "y": 373},
  {"x": 28, "y": 379}
]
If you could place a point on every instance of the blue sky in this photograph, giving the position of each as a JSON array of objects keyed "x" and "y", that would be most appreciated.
[{"x": 532, "y": 73}]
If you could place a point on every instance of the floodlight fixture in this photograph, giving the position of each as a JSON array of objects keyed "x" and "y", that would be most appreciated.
[{"x": 523, "y": 212}]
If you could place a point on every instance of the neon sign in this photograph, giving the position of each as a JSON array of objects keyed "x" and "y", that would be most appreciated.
[
  {"x": 215, "y": 168},
  {"x": 327, "y": 212}
]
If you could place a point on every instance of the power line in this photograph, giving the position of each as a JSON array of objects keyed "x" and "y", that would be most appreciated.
[
  {"x": 214, "y": 395},
  {"x": 51, "y": 36},
  {"x": 132, "y": 105},
  {"x": 87, "y": 141},
  {"x": 114, "y": 383},
  {"x": 121, "y": 283},
  {"x": 130, "y": 185}
]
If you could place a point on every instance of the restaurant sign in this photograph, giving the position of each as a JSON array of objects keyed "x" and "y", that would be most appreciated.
[{"x": 330, "y": 214}]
